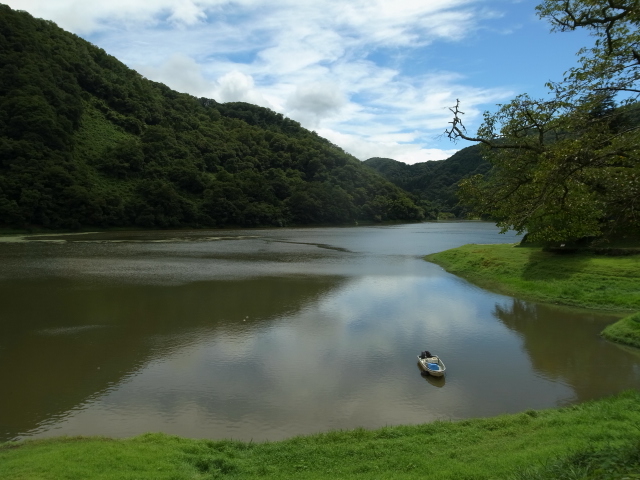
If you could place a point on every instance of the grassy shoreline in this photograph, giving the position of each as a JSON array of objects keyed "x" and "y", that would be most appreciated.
[
  {"x": 625, "y": 331},
  {"x": 532, "y": 445},
  {"x": 582, "y": 280}
]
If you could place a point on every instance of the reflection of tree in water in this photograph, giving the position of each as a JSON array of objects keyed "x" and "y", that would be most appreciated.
[
  {"x": 565, "y": 346},
  {"x": 62, "y": 343}
]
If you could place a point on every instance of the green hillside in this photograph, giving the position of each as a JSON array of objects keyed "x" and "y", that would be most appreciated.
[
  {"x": 434, "y": 183},
  {"x": 85, "y": 141}
]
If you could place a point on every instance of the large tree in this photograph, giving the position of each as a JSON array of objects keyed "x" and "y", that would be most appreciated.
[{"x": 567, "y": 166}]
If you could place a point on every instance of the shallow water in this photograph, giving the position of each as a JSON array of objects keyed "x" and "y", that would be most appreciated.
[{"x": 267, "y": 334}]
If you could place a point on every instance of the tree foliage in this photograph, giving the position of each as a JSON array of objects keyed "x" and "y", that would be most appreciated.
[
  {"x": 567, "y": 167},
  {"x": 86, "y": 141}
]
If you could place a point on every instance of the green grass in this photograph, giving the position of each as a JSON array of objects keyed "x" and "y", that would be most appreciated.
[
  {"x": 510, "y": 446},
  {"x": 610, "y": 463},
  {"x": 96, "y": 134},
  {"x": 625, "y": 331},
  {"x": 579, "y": 280}
]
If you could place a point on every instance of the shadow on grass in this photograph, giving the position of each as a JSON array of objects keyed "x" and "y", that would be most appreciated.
[{"x": 554, "y": 266}]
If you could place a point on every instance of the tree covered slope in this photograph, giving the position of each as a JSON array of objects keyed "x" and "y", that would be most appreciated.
[
  {"x": 86, "y": 141},
  {"x": 435, "y": 182}
]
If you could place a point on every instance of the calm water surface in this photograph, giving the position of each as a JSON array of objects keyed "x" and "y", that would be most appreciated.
[{"x": 267, "y": 334}]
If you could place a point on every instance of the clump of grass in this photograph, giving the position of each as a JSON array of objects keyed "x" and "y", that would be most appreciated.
[
  {"x": 626, "y": 331},
  {"x": 606, "y": 463},
  {"x": 476, "y": 449}
]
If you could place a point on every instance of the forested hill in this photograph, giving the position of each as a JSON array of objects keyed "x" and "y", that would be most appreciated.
[
  {"x": 434, "y": 182},
  {"x": 86, "y": 141}
]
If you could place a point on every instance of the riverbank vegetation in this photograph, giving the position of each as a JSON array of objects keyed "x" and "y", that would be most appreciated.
[
  {"x": 579, "y": 280},
  {"x": 625, "y": 331},
  {"x": 599, "y": 437}
]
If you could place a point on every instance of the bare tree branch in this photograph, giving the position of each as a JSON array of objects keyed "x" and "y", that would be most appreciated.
[{"x": 458, "y": 130}]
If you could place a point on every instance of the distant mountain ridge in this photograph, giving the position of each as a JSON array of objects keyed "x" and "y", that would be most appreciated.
[
  {"x": 85, "y": 141},
  {"x": 434, "y": 182}
]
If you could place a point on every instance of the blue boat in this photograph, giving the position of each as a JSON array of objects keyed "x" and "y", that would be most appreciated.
[{"x": 431, "y": 364}]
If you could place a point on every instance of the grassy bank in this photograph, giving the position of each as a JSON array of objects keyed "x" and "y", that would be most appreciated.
[
  {"x": 530, "y": 445},
  {"x": 625, "y": 331},
  {"x": 580, "y": 280}
]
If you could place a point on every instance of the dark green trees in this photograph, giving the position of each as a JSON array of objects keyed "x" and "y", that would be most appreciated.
[
  {"x": 434, "y": 183},
  {"x": 85, "y": 141}
]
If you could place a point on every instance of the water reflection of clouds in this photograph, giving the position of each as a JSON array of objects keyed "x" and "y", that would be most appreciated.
[
  {"x": 420, "y": 305},
  {"x": 344, "y": 360},
  {"x": 339, "y": 354}
]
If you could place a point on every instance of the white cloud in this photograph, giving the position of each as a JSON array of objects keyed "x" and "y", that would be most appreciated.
[
  {"x": 85, "y": 17},
  {"x": 364, "y": 148},
  {"x": 186, "y": 13},
  {"x": 311, "y": 103},
  {"x": 180, "y": 73},
  {"x": 235, "y": 86}
]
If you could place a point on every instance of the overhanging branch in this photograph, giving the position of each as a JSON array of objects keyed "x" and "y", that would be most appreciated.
[{"x": 458, "y": 130}]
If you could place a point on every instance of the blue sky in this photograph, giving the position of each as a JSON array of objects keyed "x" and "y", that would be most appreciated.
[{"x": 375, "y": 77}]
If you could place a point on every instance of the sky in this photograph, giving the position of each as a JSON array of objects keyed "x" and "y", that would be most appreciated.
[{"x": 375, "y": 77}]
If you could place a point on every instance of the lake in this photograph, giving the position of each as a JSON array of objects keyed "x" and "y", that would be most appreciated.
[{"x": 265, "y": 334}]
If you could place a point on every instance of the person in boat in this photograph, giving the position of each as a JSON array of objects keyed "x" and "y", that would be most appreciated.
[{"x": 426, "y": 354}]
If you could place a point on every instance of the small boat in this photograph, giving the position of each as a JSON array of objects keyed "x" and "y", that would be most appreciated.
[{"x": 431, "y": 364}]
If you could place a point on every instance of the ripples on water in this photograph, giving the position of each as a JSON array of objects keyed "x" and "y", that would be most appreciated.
[{"x": 266, "y": 334}]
